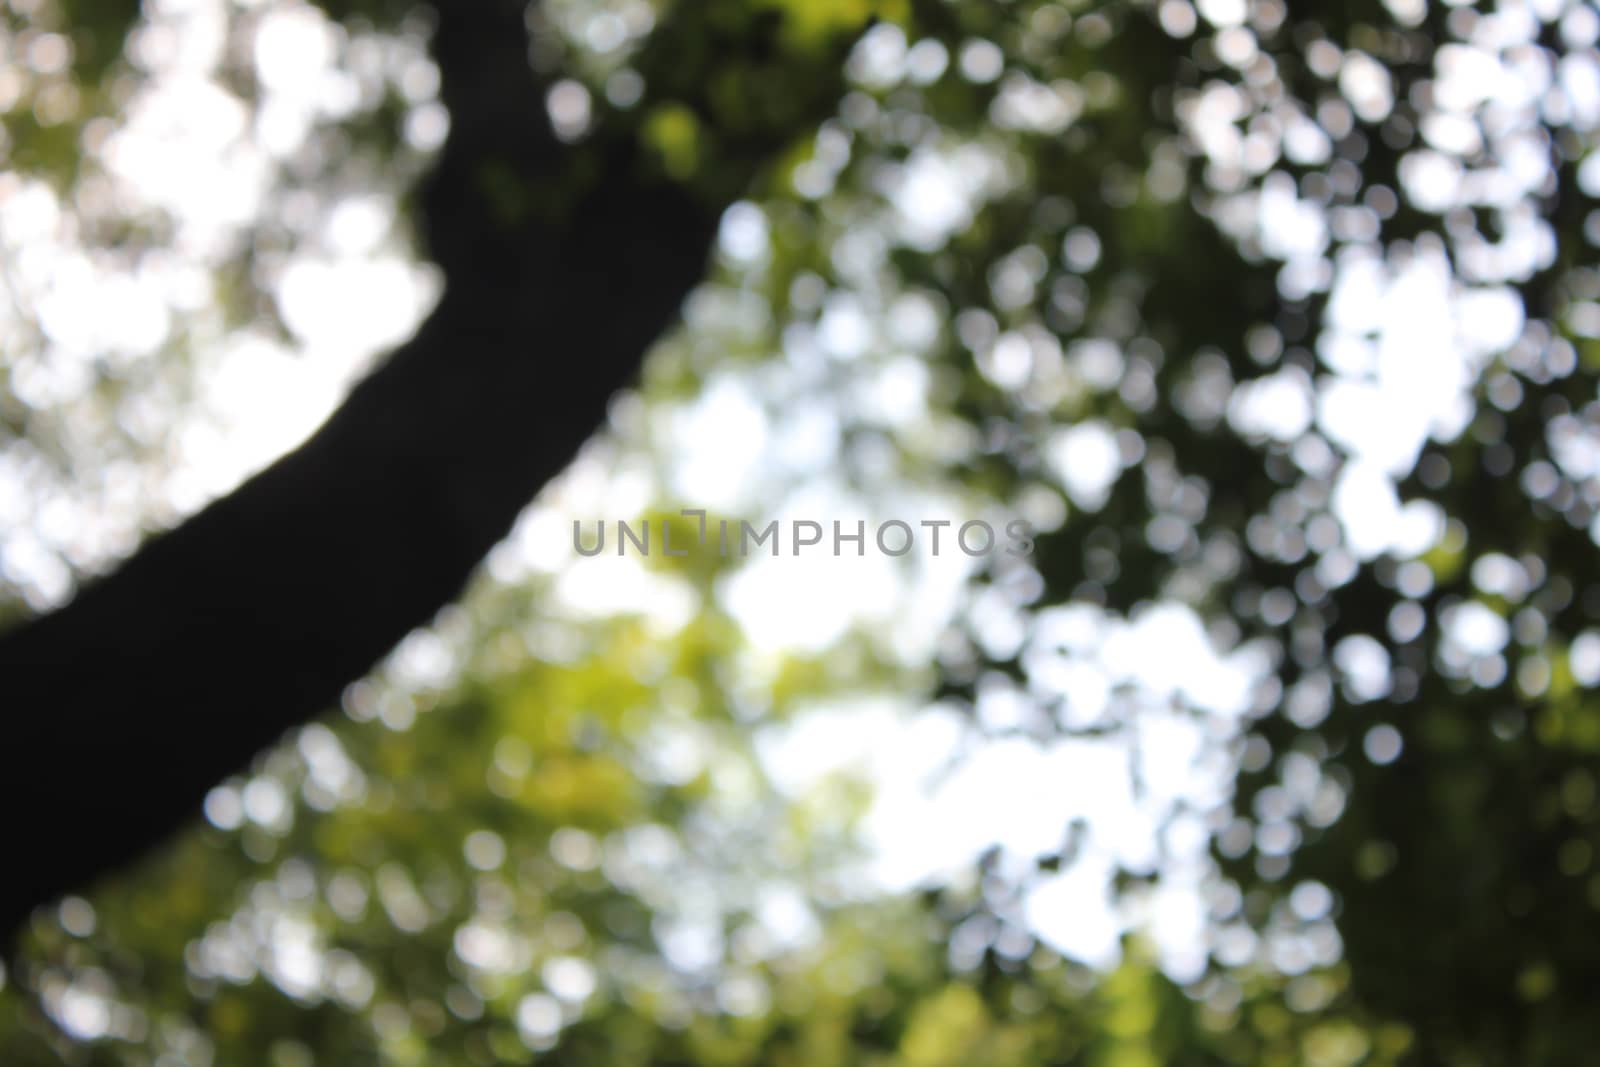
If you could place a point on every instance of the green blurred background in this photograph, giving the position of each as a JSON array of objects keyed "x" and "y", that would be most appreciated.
[{"x": 1281, "y": 326}]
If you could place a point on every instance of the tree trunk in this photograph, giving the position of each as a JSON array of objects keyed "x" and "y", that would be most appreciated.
[{"x": 127, "y": 705}]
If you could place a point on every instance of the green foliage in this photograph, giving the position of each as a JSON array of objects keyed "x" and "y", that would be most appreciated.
[{"x": 567, "y": 843}]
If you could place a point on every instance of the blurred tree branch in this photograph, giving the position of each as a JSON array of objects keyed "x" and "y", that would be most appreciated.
[{"x": 129, "y": 703}]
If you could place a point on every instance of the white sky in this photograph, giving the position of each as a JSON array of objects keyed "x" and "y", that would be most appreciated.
[{"x": 1403, "y": 342}]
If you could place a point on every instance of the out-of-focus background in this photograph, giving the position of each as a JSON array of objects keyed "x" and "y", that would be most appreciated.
[{"x": 1278, "y": 325}]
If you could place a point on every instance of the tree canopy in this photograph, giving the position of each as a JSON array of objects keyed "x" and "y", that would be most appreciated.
[{"x": 1278, "y": 327}]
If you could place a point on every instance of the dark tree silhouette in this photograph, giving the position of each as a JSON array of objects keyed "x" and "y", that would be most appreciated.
[{"x": 562, "y": 267}]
